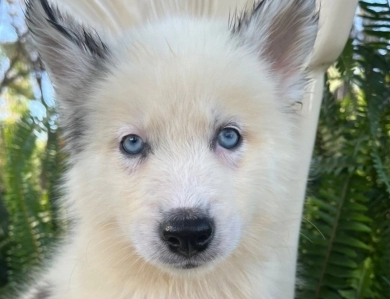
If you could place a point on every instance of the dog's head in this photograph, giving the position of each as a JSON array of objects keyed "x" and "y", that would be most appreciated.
[{"x": 181, "y": 131}]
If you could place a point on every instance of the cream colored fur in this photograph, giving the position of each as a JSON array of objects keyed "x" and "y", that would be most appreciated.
[{"x": 174, "y": 81}]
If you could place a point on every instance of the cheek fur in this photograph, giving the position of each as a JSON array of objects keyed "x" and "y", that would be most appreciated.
[{"x": 230, "y": 158}]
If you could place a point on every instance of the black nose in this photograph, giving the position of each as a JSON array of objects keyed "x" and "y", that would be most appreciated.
[{"x": 187, "y": 233}]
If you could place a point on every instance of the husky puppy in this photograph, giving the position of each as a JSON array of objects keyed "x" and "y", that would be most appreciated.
[{"x": 182, "y": 149}]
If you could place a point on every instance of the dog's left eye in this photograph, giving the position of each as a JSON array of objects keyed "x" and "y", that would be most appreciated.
[
  {"x": 229, "y": 138},
  {"x": 133, "y": 144}
]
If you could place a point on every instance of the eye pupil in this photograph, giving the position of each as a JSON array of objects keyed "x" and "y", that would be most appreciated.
[
  {"x": 229, "y": 138},
  {"x": 229, "y": 134},
  {"x": 133, "y": 144}
]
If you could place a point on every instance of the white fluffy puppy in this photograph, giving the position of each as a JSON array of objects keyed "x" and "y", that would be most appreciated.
[{"x": 181, "y": 140}]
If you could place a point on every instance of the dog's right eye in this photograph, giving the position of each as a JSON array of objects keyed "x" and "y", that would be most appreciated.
[{"x": 133, "y": 144}]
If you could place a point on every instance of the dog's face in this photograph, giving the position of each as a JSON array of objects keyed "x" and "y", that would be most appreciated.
[
  {"x": 181, "y": 133},
  {"x": 182, "y": 130}
]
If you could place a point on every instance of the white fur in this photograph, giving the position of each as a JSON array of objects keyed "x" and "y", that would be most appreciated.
[{"x": 174, "y": 82}]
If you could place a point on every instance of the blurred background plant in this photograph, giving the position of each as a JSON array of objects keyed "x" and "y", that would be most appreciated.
[
  {"x": 345, "y": 237},
  {"x": 30, "y": 157}
]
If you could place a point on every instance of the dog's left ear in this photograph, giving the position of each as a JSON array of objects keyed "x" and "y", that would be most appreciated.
[{"x": 283, "y": 33}]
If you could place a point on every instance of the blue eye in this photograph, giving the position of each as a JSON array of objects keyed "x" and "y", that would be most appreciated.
[
  {"x": 133, "y": 144},
  {"x": 229, "y": 138}
]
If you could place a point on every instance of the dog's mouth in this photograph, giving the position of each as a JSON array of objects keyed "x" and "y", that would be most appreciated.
[
  {"x": 187, "y": 266},
  {"x": 196, "y": 262},
  {"x": 190, "y": 266}
]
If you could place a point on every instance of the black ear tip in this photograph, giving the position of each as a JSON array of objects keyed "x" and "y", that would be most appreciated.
[
  {"x": 29, "y": 7},
  {"x": 33, "y": 8},
  {"x": 42, "y": 17},
  {"x": 39, "y": 11},
  {"x": 48, "y": 10}
]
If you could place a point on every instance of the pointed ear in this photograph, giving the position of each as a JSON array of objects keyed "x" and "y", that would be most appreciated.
[
  {"x": 283, "y": 33},
  {"x": 75, "y": 58},
  {"x": 69, "y": 50}
]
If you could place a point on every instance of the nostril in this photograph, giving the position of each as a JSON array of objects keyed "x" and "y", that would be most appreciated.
[
  {"x": 203, "y": 239},
  {"x": 175, "y": 242}
]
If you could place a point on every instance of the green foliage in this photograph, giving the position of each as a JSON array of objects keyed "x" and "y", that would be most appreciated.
[
  {"x": 3, "y": 242},
  {"x": 345, "y": 248},
  {"x": 29, "y": 211},
  {"x": 30, "y": 164}
]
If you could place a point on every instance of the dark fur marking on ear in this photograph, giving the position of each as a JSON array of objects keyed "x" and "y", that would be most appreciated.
[
  {"x": 52, "y": 19},
  {"x": 283, "y": 33},
  {"x": 82, "y": 37},
  {"x": 243, "y": 18},
  {"x": 52, "y": 30}
]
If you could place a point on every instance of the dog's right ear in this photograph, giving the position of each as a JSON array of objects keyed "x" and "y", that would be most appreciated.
[
  {"x": 71, "y": 53},
  {"x": 75, "y": 58}
]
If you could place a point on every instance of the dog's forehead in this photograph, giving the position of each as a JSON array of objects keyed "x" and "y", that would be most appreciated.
[
  {"x": 193, "y": 82},
  {"x": 183, "y": 98}
]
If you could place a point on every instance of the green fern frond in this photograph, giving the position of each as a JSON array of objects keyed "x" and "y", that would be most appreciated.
[
  {"x": 28, "y": 231},
  {"x": 331, "y": 263},
  {"x": 352, "y": 154}
]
